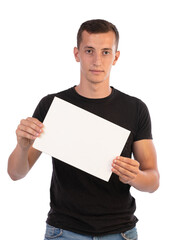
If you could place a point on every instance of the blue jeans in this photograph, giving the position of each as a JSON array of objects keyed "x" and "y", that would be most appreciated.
[{"x": 60, "y": 234}]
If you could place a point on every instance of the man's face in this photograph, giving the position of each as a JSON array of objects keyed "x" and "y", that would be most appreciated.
[{"x": 96, "y": 54}]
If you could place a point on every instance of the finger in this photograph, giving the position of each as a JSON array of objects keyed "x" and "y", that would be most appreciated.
[
  {"x": 129, "y": 161},
  {"x": 26, "y": 135},
  {"x": 124, "y": 179},
  {"x": 127, "y": 176},
  {"x": 31, "y": 124},
  {"x": 123, "y": 172},
  {"x": 35, "y": 121},
  {"x": 29, "y": 130},
  {"x": 118, "y": 164}
]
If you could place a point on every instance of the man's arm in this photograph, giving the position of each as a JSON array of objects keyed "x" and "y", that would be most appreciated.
[
  {"x": 24, "y": 155},
  {"x": 141, "y": 173}
]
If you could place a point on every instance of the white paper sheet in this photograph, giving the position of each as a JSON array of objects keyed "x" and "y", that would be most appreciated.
[{"x": 81, "y": 139}]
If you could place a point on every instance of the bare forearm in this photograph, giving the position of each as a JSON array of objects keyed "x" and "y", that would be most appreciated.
[
  {"x": 129, "y": 172},
  {"x": 146, "y": 181},
  {"x": 18, "y": 165},
  {"x": 24, "y": 156}
]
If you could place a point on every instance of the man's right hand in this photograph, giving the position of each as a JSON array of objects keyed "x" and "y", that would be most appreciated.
[{"x": 28, "y": 130}]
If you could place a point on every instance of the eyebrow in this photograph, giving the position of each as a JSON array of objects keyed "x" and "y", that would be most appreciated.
[{"x": 110, "y": 49}]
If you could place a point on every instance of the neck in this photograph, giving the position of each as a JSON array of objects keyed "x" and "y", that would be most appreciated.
[{"x": 96, "y": 90}]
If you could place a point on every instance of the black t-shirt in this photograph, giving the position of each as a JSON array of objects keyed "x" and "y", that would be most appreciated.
[{"x": 81, "y": 202}]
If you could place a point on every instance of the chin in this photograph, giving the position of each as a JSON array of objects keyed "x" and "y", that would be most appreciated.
[{"x": 96, "y": 80}]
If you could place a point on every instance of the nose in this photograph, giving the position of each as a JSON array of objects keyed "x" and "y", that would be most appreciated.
[{"x": 97, "y": 60}]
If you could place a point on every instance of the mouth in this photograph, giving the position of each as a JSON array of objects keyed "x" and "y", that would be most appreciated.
[{"x": 95, "y": 71}]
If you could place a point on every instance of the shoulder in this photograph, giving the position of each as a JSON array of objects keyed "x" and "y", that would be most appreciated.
[
  {"x": 137, "y": 112},
  {"x": 131, "y": 101},
  {"x": 132, "y": 107},
  {"x": 45, "y": 103}
]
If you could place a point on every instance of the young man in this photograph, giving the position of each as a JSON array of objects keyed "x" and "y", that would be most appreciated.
[{"x": 83, "y": 206}]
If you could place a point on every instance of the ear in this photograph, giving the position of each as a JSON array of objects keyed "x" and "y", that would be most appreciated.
[
  {"x": 76, "y": 54},
  {"x": 117, "y": 55}
]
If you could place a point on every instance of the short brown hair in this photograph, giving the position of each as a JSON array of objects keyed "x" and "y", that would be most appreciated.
[{"x": 97, "y": 26}]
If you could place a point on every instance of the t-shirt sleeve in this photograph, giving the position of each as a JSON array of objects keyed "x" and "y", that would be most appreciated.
[
  {"x": 143, "y": 123},
  {"x": 43, "y": 107}
]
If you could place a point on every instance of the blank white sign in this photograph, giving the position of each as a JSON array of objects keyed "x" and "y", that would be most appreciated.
[{"x": 81, "y": 139}]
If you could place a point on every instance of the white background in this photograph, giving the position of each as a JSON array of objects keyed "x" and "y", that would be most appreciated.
[{"x": 36, "y": 58}]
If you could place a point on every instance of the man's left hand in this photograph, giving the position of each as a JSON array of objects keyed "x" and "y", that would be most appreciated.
[{"x": 126, "y": 168}]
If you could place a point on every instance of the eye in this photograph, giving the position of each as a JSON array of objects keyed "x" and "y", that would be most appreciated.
[
  {"x": 106, "y": 52},
  {"x": 89, "y": 51}
]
